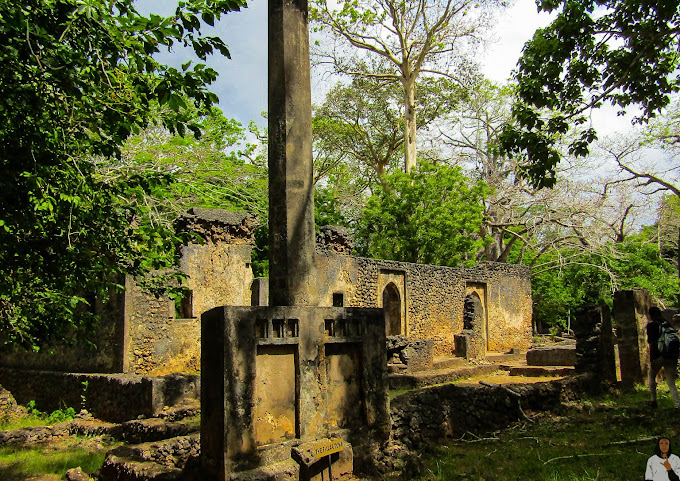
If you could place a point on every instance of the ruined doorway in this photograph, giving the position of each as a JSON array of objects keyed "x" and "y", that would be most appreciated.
[
  {"x": 473, "y": 312},
  {"x": 475, "y": 323},
  {"x": 391, "y": 301}
]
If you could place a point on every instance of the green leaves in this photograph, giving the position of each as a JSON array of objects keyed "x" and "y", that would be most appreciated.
[
  {"x": 431, "y": 216},
  {"x": 78, "y": 77},
  {"x": 621, "y": 53}
]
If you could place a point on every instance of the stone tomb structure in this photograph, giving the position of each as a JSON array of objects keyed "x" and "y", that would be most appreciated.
[
  {"x": 294, "y": 380},
  {"x": 275, "y": 378}
]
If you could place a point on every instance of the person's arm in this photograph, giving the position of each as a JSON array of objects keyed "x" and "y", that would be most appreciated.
[{"x": 674, "y": 472}]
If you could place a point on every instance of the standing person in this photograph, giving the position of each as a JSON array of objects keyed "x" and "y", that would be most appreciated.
[
  {"x": 664, "y": 348},
  {"x": 664, "y": 465}
]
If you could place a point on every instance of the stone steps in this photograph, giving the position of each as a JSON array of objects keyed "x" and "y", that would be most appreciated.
[
  {"x": 168, "y": 460},
  {"x": 173, "y": 422},
  {"x": 541, "y": 371},
  {"x": 437, "y": 376},
  {"x": 448, "y": 362}
]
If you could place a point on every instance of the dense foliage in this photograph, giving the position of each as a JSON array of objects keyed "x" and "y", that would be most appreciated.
[
  {"x": 624, "y": 53},
  {"x": 430, "y": 216},
  {"x": 634, "y": 263},
  {"x": 78, "y": 77},
  {"x": 221, "y": 169}
]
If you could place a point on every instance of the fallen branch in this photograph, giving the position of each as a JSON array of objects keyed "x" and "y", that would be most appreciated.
[
  {"x": 576, "y": 456},
  {"x": 484, "y": 383},
  {"x": 462, "y": 438},
  {"x": 482, "y": 439},
  {"x": 631, "y": 442}
]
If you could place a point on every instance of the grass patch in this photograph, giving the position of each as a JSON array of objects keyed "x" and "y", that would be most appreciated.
[
  {"x": 587, "y": 440},
  {"x": 33, "y": 417},
  {"x": 17, "y": 464}
]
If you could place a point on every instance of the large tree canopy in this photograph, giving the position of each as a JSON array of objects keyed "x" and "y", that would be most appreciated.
[
  {"x": 407, "y": 40},
  {"x": 77, "y": 78},
  {"x": 624, "y": 53}
]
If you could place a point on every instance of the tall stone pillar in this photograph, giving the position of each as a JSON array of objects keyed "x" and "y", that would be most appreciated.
[
  {"x": 594, "y": 342},
  {"x": 630, "y": 311},
  {"x": 292, "y": 274}
]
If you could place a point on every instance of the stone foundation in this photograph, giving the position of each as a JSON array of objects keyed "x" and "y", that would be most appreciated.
[
  {"x": 433, "y": 415},
  {"x": 114, "y": 397}
]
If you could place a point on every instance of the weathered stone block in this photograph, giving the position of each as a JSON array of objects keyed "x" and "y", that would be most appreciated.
[
  {"x": 552, "y": 356},
  {"x": 630, "y": 312},
  {"x": 595, "y": 342},
  {"x": 280, "y": 375},
  {"x": 418, "y": 355}
]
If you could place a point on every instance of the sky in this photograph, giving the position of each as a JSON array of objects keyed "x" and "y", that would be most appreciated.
[{"x": 242, "y": 82}]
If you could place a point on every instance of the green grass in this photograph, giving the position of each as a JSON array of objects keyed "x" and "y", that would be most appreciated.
[
  {"x": 18, "y": 464},
  {"x": 575, "y": 444},
  {"x": 35, "y": 417}
]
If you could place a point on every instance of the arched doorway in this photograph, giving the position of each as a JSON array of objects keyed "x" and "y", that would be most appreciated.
[
  {"x": 392, "y": 308},
  {"x": 473, "y": 312},
  {"x": 474, "y": 326}
]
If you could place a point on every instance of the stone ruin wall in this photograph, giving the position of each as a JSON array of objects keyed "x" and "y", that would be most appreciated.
[
  {"x": 509, "y": 304},
  {"x": 435, "y": 296},
  {"x": 159, "y": 342},
  {"x": 141, "y": 334},
  {"x": 156, "y": 341}
]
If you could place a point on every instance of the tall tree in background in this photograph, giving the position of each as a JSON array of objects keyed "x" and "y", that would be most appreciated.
[
  {"x": 408, "y": 39},
  {"x": 359, "y": 137},
  {"x": 78, "y": 78},
  {"x": 624, "y": 53},
  {"x": 359, "y": 125},
  {"x": 518, "y": 216}
]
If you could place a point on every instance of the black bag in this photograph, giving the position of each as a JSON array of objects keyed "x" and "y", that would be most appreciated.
[{"x": 669, "y": 343}]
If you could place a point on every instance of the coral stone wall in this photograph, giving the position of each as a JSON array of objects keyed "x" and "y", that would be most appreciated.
[
  {"x": 434, "y": 296},
  {"x": 160, "y": 343},
  {"x": 509, "y": 304},
  {"x": 160, "y": 340},
  {"x": 219, "y": 275}
]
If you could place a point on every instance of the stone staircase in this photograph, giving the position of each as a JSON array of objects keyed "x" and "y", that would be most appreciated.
[{"x": 554, "y": 360}]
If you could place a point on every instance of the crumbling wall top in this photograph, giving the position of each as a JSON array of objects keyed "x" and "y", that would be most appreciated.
[
  {"x": 218, "y": 225},
  {"x": 335, "y": 238}
]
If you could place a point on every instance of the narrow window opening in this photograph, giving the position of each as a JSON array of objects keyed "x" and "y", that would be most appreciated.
[{"x": 338, "y": 299}]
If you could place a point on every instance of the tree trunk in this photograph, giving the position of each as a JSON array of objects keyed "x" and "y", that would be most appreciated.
[{"x": 409, "y": 124}]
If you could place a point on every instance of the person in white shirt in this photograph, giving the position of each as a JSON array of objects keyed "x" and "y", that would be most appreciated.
[{"x": 664, "y": 465}]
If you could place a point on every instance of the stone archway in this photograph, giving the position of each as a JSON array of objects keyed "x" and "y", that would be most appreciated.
[
  {"x": 473, "y": 312},
  {"x": 392, "y": 307},
  {"x": 474, "y": 326}
]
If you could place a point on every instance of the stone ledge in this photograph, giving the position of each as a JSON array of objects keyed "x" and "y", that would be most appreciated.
[
  {"x": 538, "y": 371},
  {"x": 552, "y": 356},
  {"x": 441, "y": 376}
]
